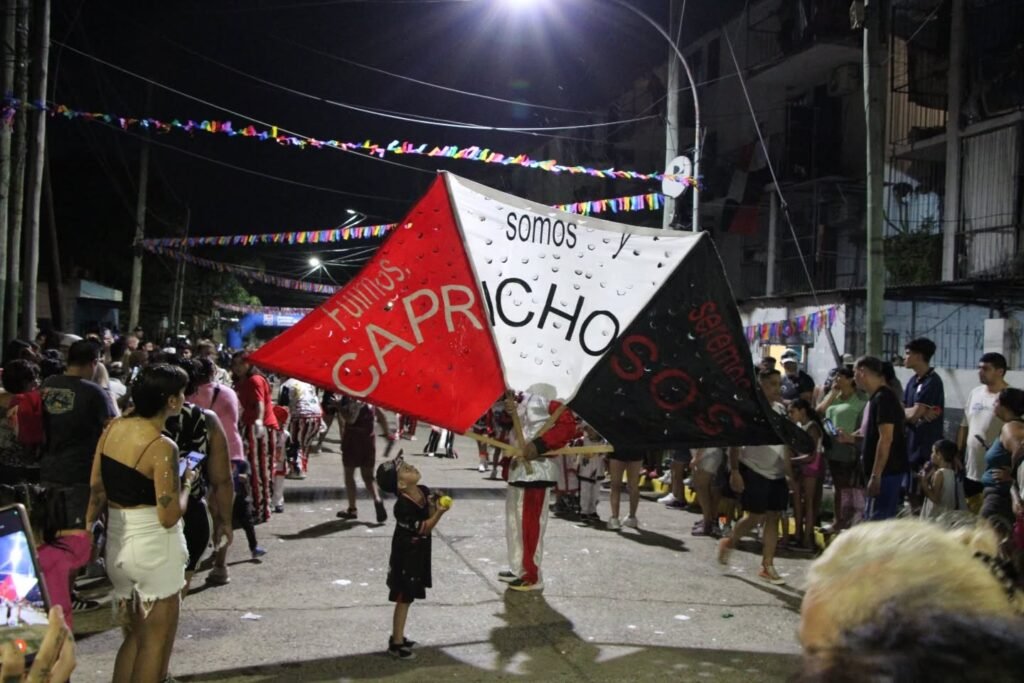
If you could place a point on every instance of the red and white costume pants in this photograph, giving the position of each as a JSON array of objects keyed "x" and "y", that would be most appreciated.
[
  {"x": 260, "y": 452},
  {"x": 304, "y": 431},
  {"x": 526, "y": 518}
]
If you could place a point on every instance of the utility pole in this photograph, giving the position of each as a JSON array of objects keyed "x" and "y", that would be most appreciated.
[
  {"x": 954, "y": 95},
  {"x": 56, "y": 279},
  {"x": 671, "y": 110},
  {"x": 7, "y": 85},
  {"x": 135, "y": 294},
  {"x": 34, "y": 187},
  {"x": 875, "y": 91},
  {"x": 17, "y": 188},
  {"x": 179, "y": 280}
]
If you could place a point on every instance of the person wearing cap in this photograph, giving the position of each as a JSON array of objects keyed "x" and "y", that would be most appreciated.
[
  {"x": 417, "y": 511},
  {"x": 795, "y": 382}
]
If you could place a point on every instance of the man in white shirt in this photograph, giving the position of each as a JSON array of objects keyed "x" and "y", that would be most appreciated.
[
  {"x": 980, "y": 426},
  {"x": 763, "y": 476}
]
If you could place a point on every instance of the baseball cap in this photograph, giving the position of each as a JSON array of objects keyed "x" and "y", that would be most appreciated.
[
  {"x": 387, "y": 475},
  {"x": 848, "y": 359},
  {"x": 790, "y": 357}
]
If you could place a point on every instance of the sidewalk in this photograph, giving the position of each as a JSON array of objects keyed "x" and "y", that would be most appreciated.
[{"x": 638, "y": 605}]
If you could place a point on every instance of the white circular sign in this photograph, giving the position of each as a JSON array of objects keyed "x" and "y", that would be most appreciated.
[{"x": 680, "y": 166}]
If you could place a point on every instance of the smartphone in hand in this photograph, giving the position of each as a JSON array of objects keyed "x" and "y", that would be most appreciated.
[
  {"x": 190, "y": 461},
  {"x": 24, "y": 602},
  {"x": 830, "y": 427}
]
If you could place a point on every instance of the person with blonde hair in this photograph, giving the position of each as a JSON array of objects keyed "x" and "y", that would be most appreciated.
[{"x": 877, "y": 566}]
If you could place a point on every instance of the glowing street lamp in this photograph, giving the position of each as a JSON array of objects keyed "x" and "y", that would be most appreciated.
[
  {"x": 314, "y": 262},
  {"x": 521, "y": 4}
]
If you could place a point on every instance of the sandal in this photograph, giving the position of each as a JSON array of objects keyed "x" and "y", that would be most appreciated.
[{"x": 348, "y": 514}]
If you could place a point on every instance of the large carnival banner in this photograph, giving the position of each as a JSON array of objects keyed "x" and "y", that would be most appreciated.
[{"x": 477, "y": 291}]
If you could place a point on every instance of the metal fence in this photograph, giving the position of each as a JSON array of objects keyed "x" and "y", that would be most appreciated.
[{"x": 956, "y": 347}]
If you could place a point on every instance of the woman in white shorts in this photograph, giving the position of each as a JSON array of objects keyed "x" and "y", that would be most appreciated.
[{"x": 135, "y": 477}]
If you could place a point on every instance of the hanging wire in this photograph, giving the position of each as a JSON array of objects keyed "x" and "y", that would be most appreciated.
[
  {"x": 208, "y": 103},
  {"x": 250, "y": 171},
  {"x": 417, "y": 81},
  {"x": 395, "y": 115},
  {"x": 783, "y": 204}
]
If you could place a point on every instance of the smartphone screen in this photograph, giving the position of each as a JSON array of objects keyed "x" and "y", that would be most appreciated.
[
  {"x": 830, "y": 427},
  {"x": 191, "y": 460},
  {"x": 24, "y": 603}
]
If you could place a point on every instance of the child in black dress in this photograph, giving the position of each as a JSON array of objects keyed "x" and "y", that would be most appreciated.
[{"x": 417, "y": 512}]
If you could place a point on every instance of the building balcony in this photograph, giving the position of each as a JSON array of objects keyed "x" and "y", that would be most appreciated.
[{"x": 799, "y": 41}]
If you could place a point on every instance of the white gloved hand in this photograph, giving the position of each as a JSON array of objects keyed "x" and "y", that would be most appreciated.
[{"x": 258, "y": 429}]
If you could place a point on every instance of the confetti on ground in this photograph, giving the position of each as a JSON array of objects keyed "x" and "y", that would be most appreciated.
[
  {"x": 249, "y": 616},
  {"x": 341, "y": 582},
  {"x": 727, "y": 615},
  {"x": 682, "y": 617}
]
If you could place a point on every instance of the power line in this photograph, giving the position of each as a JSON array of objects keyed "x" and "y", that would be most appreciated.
[
  {"x": 254, "y": 172},
  {"x": 390, "y": 114},
  {"x": 184, "y": 94},
  {"x": 428, "y": 84}
]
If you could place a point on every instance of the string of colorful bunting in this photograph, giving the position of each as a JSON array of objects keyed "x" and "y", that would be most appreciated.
[
  {"x": 640, "y": 202},
  {"x": 248, "y": 274},
  {"x": 781, "y": 330},
  {"x": 272, "y": 310},
  {"x": 395, "y": 147}
]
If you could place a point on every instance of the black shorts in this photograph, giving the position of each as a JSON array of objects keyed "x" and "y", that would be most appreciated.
[
  {"x": 627, "y": 456},
  {"x": 75, "y": 500},
  {"x": 844, "y": 473},
  {"x": 761, "y": 494},
  {"x": 197, "y": 531}
]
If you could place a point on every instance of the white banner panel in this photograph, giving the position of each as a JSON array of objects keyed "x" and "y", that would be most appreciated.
[{"x": 559, "y": 287}]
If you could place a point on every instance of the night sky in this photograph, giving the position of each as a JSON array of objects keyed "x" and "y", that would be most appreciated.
[{"x": 568, "y": 54}]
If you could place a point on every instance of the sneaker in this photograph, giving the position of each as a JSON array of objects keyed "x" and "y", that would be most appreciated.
[
  {"x": 507, "y": 576},
  {"x": 676, "y": 505},
  {"x": 382, "y": 512},
  {"x": 631, "y": 522},
  {"x": 258, "y": 552},
  {"x": 96, "y": 569},
  {"x": 771, "y": 576},
  {"x": 400, "y": 651},
  {"x": 522, "y": 585},
  {"x": 81, "y": 605},
  {"x": 668, "y": 499},
  {"x": 279, "y": 509},
  {"x": 724, "y": 549},
  {"x": 727, "y": 529},
  {"x": 295, "y": 475},
  {"x": 613, "y": 524},
  {"x": 481, "y": 468},
  {"x": 589, "y": 520},
  {"x": 218, "y": 576},
  {"x": 347, "y": 514}
]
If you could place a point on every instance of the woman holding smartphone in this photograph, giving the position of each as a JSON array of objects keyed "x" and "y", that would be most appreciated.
[{"x": 135, "y": 478}]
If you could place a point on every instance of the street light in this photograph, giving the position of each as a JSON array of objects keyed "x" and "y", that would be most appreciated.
[
  {"x": 689, "y": 76},
  {"x": 354, "y": 218},
  {"x": 314, "y": 262}
]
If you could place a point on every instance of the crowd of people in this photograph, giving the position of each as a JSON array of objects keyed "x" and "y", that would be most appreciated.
[{"x": 139, "y": 463}]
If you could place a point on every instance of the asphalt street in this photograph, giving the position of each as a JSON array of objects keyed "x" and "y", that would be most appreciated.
[{"x": 631, "y": 605}]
